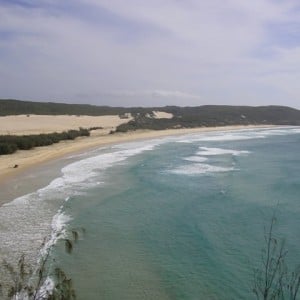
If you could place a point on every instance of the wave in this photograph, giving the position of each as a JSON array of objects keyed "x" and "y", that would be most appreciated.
[
  {"x": 229, "y": 137},
  {"x": 59, "y": 231},
  {"x": 46, "y": 289},
  {"x": 236, "y": 135},
  {"x": 221, "y": 136},
  {"x": 206, "y": 151},
  {"x": 195, "y": 158},
  {"x": 27, "y": 220},
  {"x": 200, "y": 169},
  {"x": 148, "y": 145},
  {"x": 296, "y": 130}
]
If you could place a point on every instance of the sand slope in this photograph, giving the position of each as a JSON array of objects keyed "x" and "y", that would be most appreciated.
[{"x": 35, "y": 124}]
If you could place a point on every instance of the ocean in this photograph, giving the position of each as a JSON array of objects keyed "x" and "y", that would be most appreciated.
[{"x": 180, "y": 217}]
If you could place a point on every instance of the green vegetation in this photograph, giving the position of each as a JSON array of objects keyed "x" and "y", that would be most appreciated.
[
  {"x": 11, "y": 143},
  {"x": 273, "y": 281},
  {"x": 36, "y": 285},
  {"x": 211, "y": 115},
  {"x": 17, "y": 107}
]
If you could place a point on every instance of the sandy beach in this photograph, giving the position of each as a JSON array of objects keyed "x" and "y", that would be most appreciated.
[
  {"x": 37, "y": 124},
  {"x": 29, "y": 161}
]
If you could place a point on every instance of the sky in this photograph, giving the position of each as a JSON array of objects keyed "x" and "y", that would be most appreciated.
[{"x": 151, "y": 53}]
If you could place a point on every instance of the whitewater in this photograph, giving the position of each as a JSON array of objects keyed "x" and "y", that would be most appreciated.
[{"x": 171, "y": 218}]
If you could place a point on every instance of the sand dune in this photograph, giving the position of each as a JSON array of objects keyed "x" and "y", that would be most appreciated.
[
  {"x": 162, "y": 115},
  {"x": 35, "y": 124}
]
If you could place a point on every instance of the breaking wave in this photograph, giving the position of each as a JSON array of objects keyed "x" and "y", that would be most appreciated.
[{"x": 200, "y": 169}]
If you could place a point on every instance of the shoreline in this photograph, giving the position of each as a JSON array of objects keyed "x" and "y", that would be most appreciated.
[{"x": 28, "y": 159}]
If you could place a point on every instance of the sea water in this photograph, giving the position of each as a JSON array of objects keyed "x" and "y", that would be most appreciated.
[{"x": 173, "y": 218}]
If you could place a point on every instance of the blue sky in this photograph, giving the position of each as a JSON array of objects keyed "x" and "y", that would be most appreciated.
[{"x": 136, "y": 52}]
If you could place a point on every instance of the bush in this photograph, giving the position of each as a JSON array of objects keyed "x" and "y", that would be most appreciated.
[
  {"x": 7, "y": 148},
  {"x": 25, "y": 143},
  {"x": 11, "y": 143}
]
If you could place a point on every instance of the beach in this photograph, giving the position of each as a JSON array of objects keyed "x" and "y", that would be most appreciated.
[
  {"x": 129, "y": 193},
  {"x": 15, "y": 182},
  {"x": 24, "y": 159}
]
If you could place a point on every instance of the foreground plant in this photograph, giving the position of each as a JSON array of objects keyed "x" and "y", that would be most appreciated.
[
  {"x": 273, "y": 281},
  {"x": 44, "y": 283}
]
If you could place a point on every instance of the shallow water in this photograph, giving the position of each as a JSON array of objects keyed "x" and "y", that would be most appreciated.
[{"x": 174, "y": 218}]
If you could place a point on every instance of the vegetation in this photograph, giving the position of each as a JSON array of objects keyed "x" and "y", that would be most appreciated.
[
  {"x": 11, "y": 143},
  {"x": 212, "y": 115},
  {"x": 273, "y": 281},
  {"x": 17, "y": 107},
  {"x": 37, "y": 285},
  {"x": 183, "y": 117}
]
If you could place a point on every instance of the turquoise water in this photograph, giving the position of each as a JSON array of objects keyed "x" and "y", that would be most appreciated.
[
  {"x": 180, "y": 217},
  {"x": 185, "y": 219}
]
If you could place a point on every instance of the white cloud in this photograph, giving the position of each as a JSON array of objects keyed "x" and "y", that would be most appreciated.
[{"x": 159, "y": 51}]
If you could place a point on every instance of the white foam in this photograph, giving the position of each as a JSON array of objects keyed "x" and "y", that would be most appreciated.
[
  {"x": 284, "y": 131},
  {"x": 230, "y": 137},
  {"x": 221, "y": 136},
  {"x": 275, "y": 132},
  {"x": 149, "y": 145},
  {"x": 43, "y": 293},
  {"x": 46, "y": 289},
  {"x": 206, "y": 151},
  {"x": 81, "y": 174},
  {"x": 236, "y": 135},
  {"x": 195, "y": 158},
  {"x": 200, "y": 169},
  {"x": 22, "y": 295},
  {"x": 27, "y": 220},
  {"x": 58, "y": 226},
  {"x": 295, "y": 130}
]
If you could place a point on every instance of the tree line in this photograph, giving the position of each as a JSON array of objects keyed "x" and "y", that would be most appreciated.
[{"x": 11, "y": 143}]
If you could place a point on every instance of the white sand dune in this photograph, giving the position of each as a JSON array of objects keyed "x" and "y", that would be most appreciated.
[
  {"x": 162, "y": 115},
  {"x": 35, "y": 124}
]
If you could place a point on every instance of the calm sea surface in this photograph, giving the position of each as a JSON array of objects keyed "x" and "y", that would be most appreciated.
[{"x": 174, "y": 218}]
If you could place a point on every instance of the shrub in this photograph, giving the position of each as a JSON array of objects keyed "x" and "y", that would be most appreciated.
[
  {"x": 7, "y": 148},
  {"x": 11, "y": 143}
]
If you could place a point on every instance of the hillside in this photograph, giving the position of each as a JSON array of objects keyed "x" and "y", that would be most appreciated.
[
  {"x": 183, "y": 117},
  {"x": 17, "y": 107},
  {"x": 213, "y": 115}
]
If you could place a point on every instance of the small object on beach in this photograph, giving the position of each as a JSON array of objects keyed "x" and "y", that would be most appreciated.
[{"x": 16, "y": 166}]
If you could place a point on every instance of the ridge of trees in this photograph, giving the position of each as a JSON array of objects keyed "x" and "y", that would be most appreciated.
[
  {"x": 211, "y": 115},
  {"x": 11, "y": 143},
  {"x": 18, "y": 107}
]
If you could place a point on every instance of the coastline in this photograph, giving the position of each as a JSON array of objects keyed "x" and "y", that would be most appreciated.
[{"x": 28, "y": 159}]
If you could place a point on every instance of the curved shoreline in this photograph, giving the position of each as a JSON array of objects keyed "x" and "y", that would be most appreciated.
[
  {"x": 37, "y": 158},
  {"x": 27, "y": 159}
]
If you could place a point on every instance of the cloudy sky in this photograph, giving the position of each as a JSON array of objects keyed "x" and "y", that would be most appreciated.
[{"x": 158, "y": 52}]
